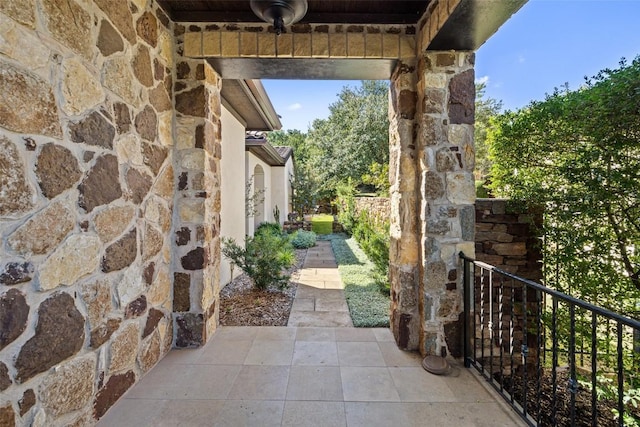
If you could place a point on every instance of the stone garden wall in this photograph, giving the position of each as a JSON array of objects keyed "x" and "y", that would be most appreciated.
[
  {"x": 506, "y": 238},
  {"x": 378, "y": 207},
  {"x": 86, "y": 204}
]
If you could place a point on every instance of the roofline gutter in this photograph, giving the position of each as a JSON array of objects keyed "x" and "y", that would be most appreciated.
[
  {"x": 256, "y": 93},
  {"x": 265, "y": 152}
]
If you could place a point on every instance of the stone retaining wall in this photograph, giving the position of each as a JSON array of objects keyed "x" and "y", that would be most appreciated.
[
  {"x": 291, "y": 226},
  {"x": 506, "y": 237},
  {"x": 86, "y": 206},
  {"x": 378, "y": 207}
]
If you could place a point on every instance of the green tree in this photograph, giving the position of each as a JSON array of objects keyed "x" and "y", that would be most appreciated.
[
  {"x": 577, "y": 154},
  {"x": 304, "y": 191},
  {"x": 378, "y": 176},
  {"x": 295, "y": 139},
  {"x": 486, "y": 108},
  {"x": 304, "y": 182},
  {"x": 355, "y": 135}
]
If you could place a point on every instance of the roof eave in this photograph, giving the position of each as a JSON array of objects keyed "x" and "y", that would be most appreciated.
[{"x": 265, "y": 152}]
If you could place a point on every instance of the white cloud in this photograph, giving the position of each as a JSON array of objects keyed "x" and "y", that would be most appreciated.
[
  {"x": 294, "y": 107},
  {"x": 482, "y": 80},
  {"x": 521, "y": 59}
]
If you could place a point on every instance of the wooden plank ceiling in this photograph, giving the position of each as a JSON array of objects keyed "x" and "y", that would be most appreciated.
[{"x": 319, "y": 11}]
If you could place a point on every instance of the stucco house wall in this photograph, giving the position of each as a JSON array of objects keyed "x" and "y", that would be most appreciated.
[
  {"x": 232, "y": 223},
  {"x": 281, "y": 194},
  {"x": 264, "y": 214}
]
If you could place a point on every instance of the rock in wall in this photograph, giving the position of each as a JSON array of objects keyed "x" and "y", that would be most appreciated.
[{"x": 86, "y": 204}]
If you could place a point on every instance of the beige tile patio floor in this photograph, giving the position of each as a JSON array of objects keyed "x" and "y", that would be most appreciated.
[
  {"x": 318, "y": 371},
  {"x": 304, "y": 376}
]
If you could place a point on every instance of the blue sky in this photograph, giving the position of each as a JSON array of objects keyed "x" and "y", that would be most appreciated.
[{"x": 544, "y": 45}]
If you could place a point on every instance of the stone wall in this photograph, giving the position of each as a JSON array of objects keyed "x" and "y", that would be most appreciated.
[
  {"x": 506, "y": 238},
  {"x": 86, "y": 204},
  {"x": 446, "y": 159},
  {"x": 404, "y": 250},
  {"x": 378, "y": 207},
  {"x": 291, "y": 226}
]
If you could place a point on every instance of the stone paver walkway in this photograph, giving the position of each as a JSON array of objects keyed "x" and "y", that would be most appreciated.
[{"x": 320, "y": 298}]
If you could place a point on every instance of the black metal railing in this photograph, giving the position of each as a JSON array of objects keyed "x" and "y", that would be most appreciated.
[{"x": 555, "y": 359}]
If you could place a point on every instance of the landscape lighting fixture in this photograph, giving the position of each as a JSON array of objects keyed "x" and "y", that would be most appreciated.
[{"x": 279, "y": 12}]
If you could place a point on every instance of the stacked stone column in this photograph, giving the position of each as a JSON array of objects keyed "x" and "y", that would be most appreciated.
[
  {"x": 196, "y": 260},
  {"x": 432, "y": 196},
  {"x": 404, "y": 254},
  {"x": 446, "y": 157}
]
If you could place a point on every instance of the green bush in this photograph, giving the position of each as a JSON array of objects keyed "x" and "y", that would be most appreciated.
[
  {"x": 303, "y": 239},
  {"x": 482, "y": 192},
  {"x": 322, "y": 224},
  {"x": 274, "y": 227},
  {"x": 346, "y": 203},
  {"x": 263, "y": 258},
  {"x": 374, "y": 240}
]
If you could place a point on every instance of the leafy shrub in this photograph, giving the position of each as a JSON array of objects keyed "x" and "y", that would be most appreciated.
[
  {"x": 346, "y": 203},
  {"x": 263, "y": 258},
  {"x": 303, "y": 239},
  {"x": 322, "y": 224},
  {"x": 482, "y": 192},
  {"x": 373, "y": 238},
  {"x": 273, "y": 227},
  {"x": 378, "y": 176}
]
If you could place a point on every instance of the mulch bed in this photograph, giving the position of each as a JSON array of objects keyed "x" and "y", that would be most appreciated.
[
  {"x": 243, "y": 305},
  {"x": 562, "y": 402}
]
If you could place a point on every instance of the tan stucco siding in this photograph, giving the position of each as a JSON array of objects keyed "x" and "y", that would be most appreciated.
[{"x": 233, "y": 180}]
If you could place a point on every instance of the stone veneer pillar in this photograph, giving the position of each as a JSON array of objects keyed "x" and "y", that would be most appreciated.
[
  {"x": 432, "y": 158},
  {"x": 404, "y": 254},
  {"x": 197, "y": 218},
  {"x": 446, "y": 157}
]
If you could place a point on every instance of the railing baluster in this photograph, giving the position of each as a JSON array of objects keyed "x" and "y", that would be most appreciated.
[
  {"x": 482, "y": 314},
  {"x": 581, "y": 345},
  {"x": 575, "y": 353},
  {"x": 474, "y": 318},
  {"x": 573, "y": 383},
  {"x": 491, "y": 343},
  {"x": 594, "y": 367},
  {"x": 467, "y": 303},
  {"x": 538, "y": 346},
  {"x": 554, "y": 360},
  {"x": 620, "y": 377},
  {"x": 525, "y": 350},
  {"x": 511, "y": 342},
  {"x": 501, "y": 337},
  {"x": 608, "y": 341},
  {"x": 544, "y": 331}
]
